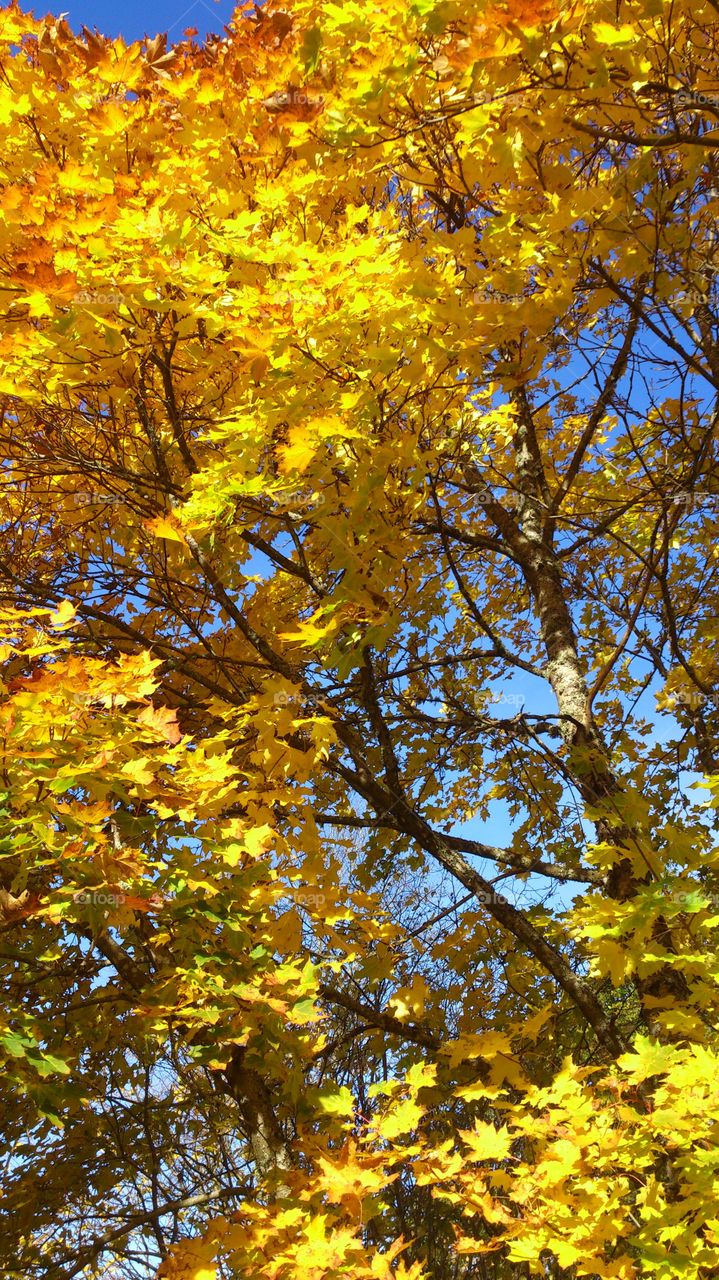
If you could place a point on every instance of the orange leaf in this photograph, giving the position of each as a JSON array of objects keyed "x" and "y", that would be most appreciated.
[{"x": 163, "y": 721}]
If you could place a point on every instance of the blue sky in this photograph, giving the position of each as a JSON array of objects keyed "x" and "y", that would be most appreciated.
[{"x": 135, "y": 18}]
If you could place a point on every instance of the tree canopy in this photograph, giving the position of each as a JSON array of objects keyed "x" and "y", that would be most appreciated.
[{"x": 359, "y": 589}]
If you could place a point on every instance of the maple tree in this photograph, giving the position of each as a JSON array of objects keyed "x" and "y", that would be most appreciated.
[{"x": 359, "y": 599}]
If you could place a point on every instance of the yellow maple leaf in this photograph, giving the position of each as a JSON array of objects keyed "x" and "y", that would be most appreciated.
[
  {"x": 297, "y": 455},
  {"x": 486, "y": 1142},
  {"x": 13, "y": 104},
  {"x": 163, "y": 527},
  {"x": 287, "y": 932},
  {"x": 312, "y": 630},
  {"x": 257, "y": 839},
  {"x": 477, "y": 1046},
  {"x": 567, "y": 1253},
  {"x": 409, "y": 1001},
  {"x": 350, "y": 1179},
  {"x": 139, "y": 771},
  {"x": 38, "y": 304},
  {"x": 610, "y": 34},
  {"x": 613, "y": 959},
  {"x": 402, "y": 1118},
  {"x": 190, "y": 1260},
  {"x": 64, "y": 616}
]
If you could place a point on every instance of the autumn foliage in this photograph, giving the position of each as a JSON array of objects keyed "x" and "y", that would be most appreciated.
[{"x": 359, "y": 598}]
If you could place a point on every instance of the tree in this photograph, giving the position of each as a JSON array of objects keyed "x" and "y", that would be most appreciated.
[{"x": 359, "y": 587}]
